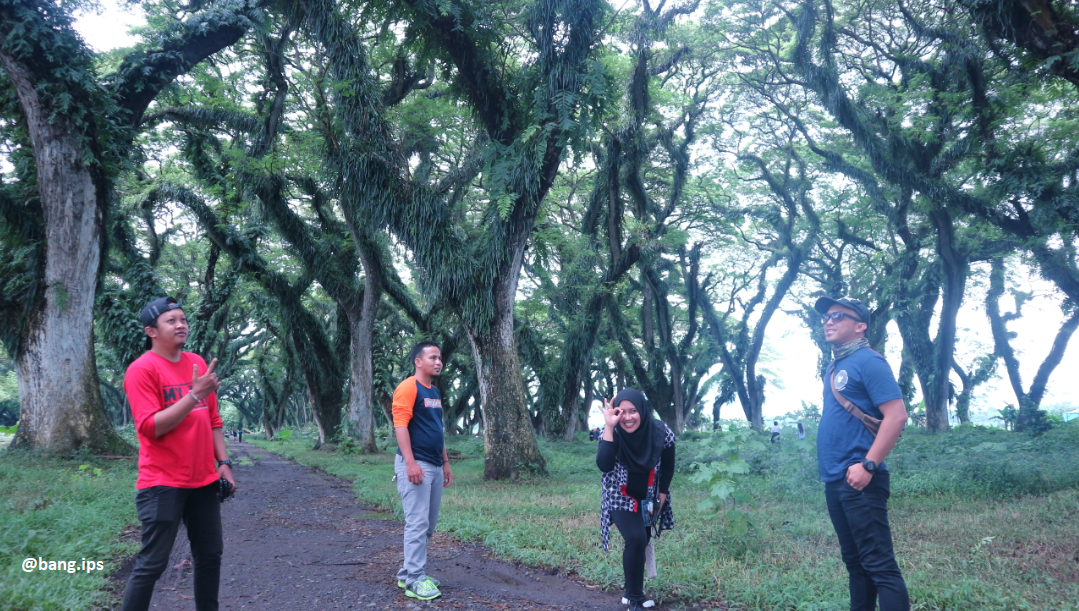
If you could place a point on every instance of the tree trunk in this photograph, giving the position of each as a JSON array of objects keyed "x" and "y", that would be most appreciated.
[
  {"x": 1029, "y": 403},
  {"x": 586, "y": 409},
  {"x": 677, "y": 399},
  {"x": 385, "y": 401},
  {"x": 361, "y": 409},
  {"x": 326, "y": 413},
  {"x": 755, "y": 383},
  {"x": 61, "y": 407},
  {"x": 954, "y": 269},
  {"x": 460, "y": 408},
  {"x": 509, "y": 442},
  {"x": 571, "y": 400}
]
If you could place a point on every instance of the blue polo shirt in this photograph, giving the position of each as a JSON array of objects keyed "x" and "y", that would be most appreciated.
[{"x": 866, "y": 380}]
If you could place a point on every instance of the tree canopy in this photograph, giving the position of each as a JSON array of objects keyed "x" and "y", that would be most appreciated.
[{"x": 569, "y": 196}]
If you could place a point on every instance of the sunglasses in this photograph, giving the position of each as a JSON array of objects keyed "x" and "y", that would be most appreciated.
[{"x": 837, "y": 317}]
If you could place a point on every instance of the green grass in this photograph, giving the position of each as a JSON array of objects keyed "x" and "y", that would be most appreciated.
[
  {"x": 52, "y": 509},
  {"x": 977, "y": 527}
]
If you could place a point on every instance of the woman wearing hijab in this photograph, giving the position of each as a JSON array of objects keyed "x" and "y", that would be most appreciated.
[{"x": 636, "y": 456}]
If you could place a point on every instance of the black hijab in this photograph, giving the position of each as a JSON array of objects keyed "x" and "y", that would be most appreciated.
[{"x": 639, "y": 451}]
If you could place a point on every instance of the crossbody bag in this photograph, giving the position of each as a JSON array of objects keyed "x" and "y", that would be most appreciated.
[{"x": 871, "y": 423}]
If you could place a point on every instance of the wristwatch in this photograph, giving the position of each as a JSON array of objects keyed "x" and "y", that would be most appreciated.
[
  {"x": 870, "y": 466},
  {"x": 225, "y": 462}
]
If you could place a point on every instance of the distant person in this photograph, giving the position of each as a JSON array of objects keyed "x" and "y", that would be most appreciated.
[
  {"x": 422, "y": 466},
  {"x": 775, "y": 431},
  {"x": 240, "y": 435},
  {"x": 801, "y": 431},
  {"x": 636, "y": 456},
  {"x": 860, "y": 392},
  {"x": 174, "y": 406}
]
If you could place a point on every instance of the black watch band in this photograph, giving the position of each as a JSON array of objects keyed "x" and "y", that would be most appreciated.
[
  {"x": 869, "y": 466},
  {"x": 225, "y": 462}
]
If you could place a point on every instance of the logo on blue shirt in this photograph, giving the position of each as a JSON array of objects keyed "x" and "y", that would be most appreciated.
[{"x": 841, "y": 379}]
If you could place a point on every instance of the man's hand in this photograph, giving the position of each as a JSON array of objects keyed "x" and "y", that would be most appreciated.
[
  {"x": 205, "y": 384},
  {"x": 447, "y": 475},
  {"x": 414, "y": 472},
  {"x": 225, "y": 471},
  {"x": 858, "y": 477}
]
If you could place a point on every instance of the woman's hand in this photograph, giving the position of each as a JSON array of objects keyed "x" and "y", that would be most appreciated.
[
  {"x": 662, "y": 502},
  {"x": 611, "y": 414}
]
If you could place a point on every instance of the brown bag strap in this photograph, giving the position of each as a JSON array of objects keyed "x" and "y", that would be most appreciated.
[{"x": 871, "y": 423}]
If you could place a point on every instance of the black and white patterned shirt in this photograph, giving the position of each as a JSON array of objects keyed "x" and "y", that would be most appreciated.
[{"x": 615, "y": 497}]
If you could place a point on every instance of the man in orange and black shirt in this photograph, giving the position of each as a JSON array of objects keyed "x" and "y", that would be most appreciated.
[{"x": 422, "y": 466}]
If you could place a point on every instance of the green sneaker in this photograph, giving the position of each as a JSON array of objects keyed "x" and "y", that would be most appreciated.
[
  {"x": 424, "y": 589},
  {"x": 401, "y": 582}
]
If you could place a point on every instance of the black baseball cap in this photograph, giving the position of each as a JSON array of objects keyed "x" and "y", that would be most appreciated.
[
  {"x": 156, "y": 308},
  {"x": 824, "y": 303}
]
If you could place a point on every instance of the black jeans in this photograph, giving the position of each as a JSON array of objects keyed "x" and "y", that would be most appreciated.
[
  {"x": 160, "y": 509},
  {"x": 865, "y": 539},
  {"x": 631, "y": 525}
]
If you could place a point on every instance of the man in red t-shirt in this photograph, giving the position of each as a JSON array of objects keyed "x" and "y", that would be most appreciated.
[{"x": 174, "y": 406}]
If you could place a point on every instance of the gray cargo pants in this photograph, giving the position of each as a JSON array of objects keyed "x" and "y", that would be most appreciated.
[{"x": 421, "y": 504}]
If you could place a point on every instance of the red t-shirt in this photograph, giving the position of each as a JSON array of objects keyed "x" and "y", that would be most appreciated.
[{"x": 183, "y": 457}]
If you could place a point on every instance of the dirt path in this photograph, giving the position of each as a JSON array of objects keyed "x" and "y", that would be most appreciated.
[{"x": 298, "y": 539}]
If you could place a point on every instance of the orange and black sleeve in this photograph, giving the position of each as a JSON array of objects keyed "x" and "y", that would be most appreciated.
[{"x": 404, "y": 401}]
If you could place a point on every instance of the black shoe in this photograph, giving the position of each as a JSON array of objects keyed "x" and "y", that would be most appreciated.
[{"x": 635, "y": 607}]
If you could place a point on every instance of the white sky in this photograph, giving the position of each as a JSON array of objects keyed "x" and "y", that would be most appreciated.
[
  {"x": 786, "y": 336},
  {"x": 108, "y": 29}
]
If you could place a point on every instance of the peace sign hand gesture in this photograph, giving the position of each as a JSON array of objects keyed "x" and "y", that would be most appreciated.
[{"x": 205, "y": 384}]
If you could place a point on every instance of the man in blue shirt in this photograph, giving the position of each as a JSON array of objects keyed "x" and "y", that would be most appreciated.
[
  {"x": 422, "y": 466},
  {"x": 851, "y": 457}
]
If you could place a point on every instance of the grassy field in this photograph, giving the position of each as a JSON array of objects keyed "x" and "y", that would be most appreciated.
[
  {"x": 983, "y": 520},
  {"x": 62, "y": 510}
]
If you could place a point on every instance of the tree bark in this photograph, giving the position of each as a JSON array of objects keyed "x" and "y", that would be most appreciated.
[
  {"x": 361, "y": 403},
  {"x": 360, "y": 409},
  {"x": 61, "y": 407},
  {"x": 954, "y": 267},
  {"x": 1028, "y": 402},
  {"x": 509, "y": 442}
]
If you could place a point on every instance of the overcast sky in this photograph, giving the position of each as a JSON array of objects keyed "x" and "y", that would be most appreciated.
[{"x": 787, "y": 339}]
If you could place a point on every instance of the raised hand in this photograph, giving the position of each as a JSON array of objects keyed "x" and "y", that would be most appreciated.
[
  {"x": 611, "y": 414},
  {"x": 205, "y": 384}
]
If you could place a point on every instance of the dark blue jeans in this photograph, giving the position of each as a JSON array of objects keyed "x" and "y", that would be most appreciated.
[
  {"x": 161, "y": 509},
  {"x": 865, "y": 539}
]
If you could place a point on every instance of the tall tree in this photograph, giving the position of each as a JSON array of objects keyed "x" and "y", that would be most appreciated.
[
  {"x": 78, "y": 127},
  {"x": 473, "y": 262},
  {"x": 1028, "y": 399}
]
